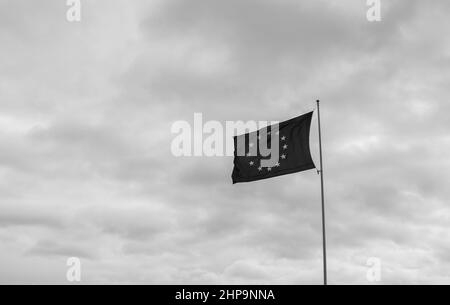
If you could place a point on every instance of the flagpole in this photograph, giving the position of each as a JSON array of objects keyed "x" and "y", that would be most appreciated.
[{"x": 324, "y": 240}]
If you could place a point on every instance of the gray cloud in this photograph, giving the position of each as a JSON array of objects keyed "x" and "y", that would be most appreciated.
[
  {"x": 85, "y": 162},
  {"x": 50, "y": 249},
  {"x": 21, "y": 219}
]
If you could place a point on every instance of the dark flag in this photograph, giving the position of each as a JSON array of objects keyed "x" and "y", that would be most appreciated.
[{"x": 293, "y": 152}]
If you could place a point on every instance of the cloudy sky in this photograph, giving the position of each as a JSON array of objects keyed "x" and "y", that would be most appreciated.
[{"x": 85, "y": 130}]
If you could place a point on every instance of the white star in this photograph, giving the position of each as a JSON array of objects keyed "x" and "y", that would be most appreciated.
[
  {"x": 260, "y": 168},
  {"x": 251, "y": 163},
  {"x": 269, "y": 169},
  {"x": 278, "y": 164},
  {"x": 283, "y": 156},
  {"x": 283, "y": 138},
  {"x": 285, "y": 146}
]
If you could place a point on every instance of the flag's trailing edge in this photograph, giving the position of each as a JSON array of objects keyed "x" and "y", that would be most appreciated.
[{"x": 294, "y": 151}]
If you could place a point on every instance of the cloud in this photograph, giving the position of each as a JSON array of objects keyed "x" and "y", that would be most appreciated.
[
  {"x": 51, "y": 248},
  {"x": 21, "y": 219},
  {"x": 85, "y": 162}
]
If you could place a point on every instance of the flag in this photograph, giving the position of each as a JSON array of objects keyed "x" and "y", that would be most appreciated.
[{"x": 293, "y": 151}]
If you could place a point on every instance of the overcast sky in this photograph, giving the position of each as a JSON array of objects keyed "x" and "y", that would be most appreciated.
[{"x": 86, "y": 168}]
